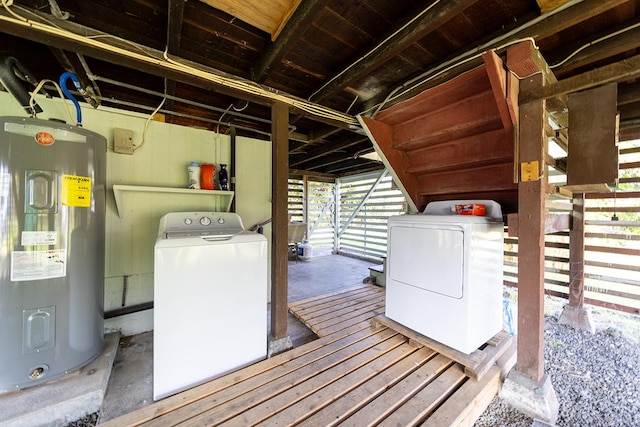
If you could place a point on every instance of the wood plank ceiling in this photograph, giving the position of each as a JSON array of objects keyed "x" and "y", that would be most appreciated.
[{"x": 347, "y": 57}]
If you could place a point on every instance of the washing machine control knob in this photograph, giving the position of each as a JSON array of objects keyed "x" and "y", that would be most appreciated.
[
  {"x": 220, "y": 220},
  {"x": 205, "y": 220},
  {"x": 187, "y": 221}
]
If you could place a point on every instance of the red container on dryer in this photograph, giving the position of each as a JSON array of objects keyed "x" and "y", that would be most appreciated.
[{"x": 208, "y": 176}]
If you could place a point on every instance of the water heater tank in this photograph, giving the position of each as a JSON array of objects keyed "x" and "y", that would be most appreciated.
[{"x": 52, "y": 210}]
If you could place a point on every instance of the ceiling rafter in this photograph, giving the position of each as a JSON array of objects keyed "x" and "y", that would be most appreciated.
[
  {"x": 629, "y": 94},
  {"x": 600, "y": 49},
  {"x": 175, "y": 18},
  {"x": 152, "y": 64},
  {"x": 394, "y": 42},
  {"x": 625, "y": 70},
  {"x": 328, "y": 148},
  {"x": 329, "y": 160},
  {"x": 301, "y": 18},
  {"x": 73, "y": 64},
  {"x": 546, "y": 27}
]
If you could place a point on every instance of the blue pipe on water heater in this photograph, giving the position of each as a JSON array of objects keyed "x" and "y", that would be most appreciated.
[{"x": 63, "y": 85}]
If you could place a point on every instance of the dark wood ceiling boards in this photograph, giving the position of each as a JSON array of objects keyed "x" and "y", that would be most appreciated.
[{"x": 348, "y": 56}]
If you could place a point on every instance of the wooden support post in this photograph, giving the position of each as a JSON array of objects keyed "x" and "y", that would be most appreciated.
[
  {"x": 527, "y": 388},
  {"x": 575, "y": 314},
  {"x": 279, "y": 214},
  {"x": 305, "y": 203},
  {"x": 576, "y": 253},
  {"x": 531, "y": 216}
]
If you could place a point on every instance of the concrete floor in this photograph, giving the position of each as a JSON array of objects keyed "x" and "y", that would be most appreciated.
[{"x": 130, "y": 384}]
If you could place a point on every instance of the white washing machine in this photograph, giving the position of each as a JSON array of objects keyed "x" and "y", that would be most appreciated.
[
  {"x": 444, "y": 273},
  {"x": 210, "y": 299}
]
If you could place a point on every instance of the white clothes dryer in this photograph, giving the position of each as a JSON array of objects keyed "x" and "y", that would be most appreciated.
[
  {"x": 445, "y": 272},
  {"x": 210, "y": 299}
]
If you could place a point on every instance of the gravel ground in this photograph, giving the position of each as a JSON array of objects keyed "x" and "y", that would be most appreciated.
[{"x": 595, "y": 377}]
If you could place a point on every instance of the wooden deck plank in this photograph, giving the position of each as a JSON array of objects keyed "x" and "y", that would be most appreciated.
[
  {"x": 337, "y": 296},
  {"x": 346, "y": 321},
  {"x": 346, "y": 404},
  {"x": 297, "y": 403},
  {"x": 314, "y": 350},
  {"x": 423, "y": 403},
  {"x": 492, "y": 353},
  {"x": 359, "y": 372},
  {"x": 340, "y": 294},
  {"x": 311, "y": 309},
  {"x": 396, "y": 396},
  {"x": 466, "y": 405},
  {"x": 244, "y": 396},
  {"x": 335, "y": 307},
  {"x": 339, "y": 315},
  {"x": 468, "y": 360}
]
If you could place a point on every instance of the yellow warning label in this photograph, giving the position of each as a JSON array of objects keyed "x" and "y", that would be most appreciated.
[
  {"x": 76, "y": 191},
  {"x": 529, "y": 171}
]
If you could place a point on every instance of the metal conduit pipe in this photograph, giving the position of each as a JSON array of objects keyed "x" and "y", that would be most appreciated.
[
  {"x": 187, "y": 116},
  {"x": 93, "y": 77},
  {"x": 128, "y": 310}
]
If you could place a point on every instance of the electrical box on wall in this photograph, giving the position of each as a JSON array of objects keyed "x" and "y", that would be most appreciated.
[{"x": 122, "y": 141}]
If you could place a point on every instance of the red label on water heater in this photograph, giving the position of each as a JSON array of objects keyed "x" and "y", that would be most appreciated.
[{"x": 45, "y": 138}]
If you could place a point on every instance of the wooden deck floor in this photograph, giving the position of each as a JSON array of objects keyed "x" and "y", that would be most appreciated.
[{"x": 359, "y": 372}]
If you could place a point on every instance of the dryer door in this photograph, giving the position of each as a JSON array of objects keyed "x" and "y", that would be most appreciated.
[{"x": 428, "y": 257}]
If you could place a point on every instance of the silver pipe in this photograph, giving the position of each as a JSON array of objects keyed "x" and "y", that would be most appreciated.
[
  {"x": 176, "y": 98},
  {"x": 188, "y": 116}
]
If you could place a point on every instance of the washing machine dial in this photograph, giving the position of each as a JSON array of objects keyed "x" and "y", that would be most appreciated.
[
  {"x": 187, "y": 221},
  {"x": 220, "y": 220},
  {"x": 205, "y": 220}
]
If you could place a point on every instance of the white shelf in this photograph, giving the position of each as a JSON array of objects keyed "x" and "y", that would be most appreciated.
[{"x": 220, "y": 200}]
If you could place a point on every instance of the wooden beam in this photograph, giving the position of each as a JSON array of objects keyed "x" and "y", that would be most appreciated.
[
  {"x": 630, "y": 113},
  {"x": 531, "y": 212},
  {"x": 381, "y": 135},
  {"x": 553, "y": 223},
  {"x": 323, "y": 132},
  {"x": 628, "y": 93},
  {"x": 625, "y": 70},
  {"x": 547, "y": 5},
  {"x": 576, "y": 253},
  {"x": 357, "y": 168},
  {"x": 502, "y": 84},
  {"x": 84, "y": 40},
  {"x": 630, "y": 133},
  {"x": 321, "y": 150},
  {"x": 311, "y": 174},
  {"x": 175, "y": 17},
  {"x": 298, "y": 24},
  {"x": 607, "y": 48},
  {"x": 279, "y": 213},
  {"x": 395, "y": 41},
  {"x": 330, "y": 159},
  {"x": 550, "y": 26},
  {"x": 75, "y": 66}
]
